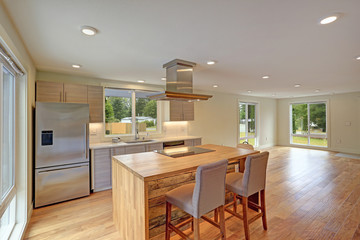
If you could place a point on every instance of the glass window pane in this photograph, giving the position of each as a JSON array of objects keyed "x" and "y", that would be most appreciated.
[
  {"x": 118, "y": 112},
  {"x": 146, "y": 112},
  {"x": 318, "y": 141},
  {"x": 299, "y": 119},
  {"x": 251, "y": 121},
  {"x": 318, "y": 118},
  {"x": 7, "y": 220},
  {"x": 7, "y": 152},
  {"x": 251, "y": 141},
  {"x": 242, "y": 120},
  {"x": 299, "y": 140}
]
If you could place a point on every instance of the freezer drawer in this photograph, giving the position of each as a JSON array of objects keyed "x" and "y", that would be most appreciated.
[{"x": 58, "y": 184}]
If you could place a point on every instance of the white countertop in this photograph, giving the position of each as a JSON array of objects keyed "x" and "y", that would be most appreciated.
[{"x": 156, "y": 140}]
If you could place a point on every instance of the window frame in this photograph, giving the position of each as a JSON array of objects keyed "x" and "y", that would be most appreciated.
[
  {"x": 8, "y": 202},
  {"x": 256, "y": 104},
  {"x": 133, "y": 114},
  {"x": 309, "y": 135}
]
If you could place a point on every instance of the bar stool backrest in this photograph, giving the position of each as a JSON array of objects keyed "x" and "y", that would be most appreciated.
[
  {"x": 209, "y": 191},
  {"x": 255, "y": 173}
]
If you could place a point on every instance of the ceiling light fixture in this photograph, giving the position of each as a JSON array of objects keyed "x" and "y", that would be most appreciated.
[
  {"x": 76, "y": 66},
  {"x": 297, "y": 85},
  {"x": 317, "y": 90},
  {"x": 215, "y": 86},
  {"x": 249, "y": 91},
  {"x": 329, "y": 19},
  {"x": 140, "y": 81},
  {"x": 266, "y": 77},
  {"x": 358, "y": 58},
  {"x": 211, "y": 62},
  {"x": 89, "y": 31},
  {"x": 163, "y": 78}
]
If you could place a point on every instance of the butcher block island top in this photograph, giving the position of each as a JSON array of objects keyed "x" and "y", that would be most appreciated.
[
  {"x": 141, "y": 180},
  {"x": 152, "y": 165}
]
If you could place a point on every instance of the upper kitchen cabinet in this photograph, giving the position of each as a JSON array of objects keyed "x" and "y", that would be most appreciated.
[
  {"x": 49, "y": 91},
  {"x": 96, "y": 101},
  {"x": 181, "y": 111},
  {"x": 73, "y": 93},
  {"x": 60, "y": 92}
]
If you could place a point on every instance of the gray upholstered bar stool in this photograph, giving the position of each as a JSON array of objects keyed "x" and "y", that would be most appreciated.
[
  {"x": 246, "y": 184},
  {"x": 199, "y": 198}
]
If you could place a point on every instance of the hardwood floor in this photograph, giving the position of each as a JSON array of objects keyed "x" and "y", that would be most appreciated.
[{"x": 310, "y": 194}]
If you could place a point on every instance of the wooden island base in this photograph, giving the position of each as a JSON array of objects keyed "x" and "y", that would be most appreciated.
[{"x": 139, "y": 194}]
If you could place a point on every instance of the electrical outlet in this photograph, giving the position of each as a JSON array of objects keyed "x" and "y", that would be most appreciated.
[{"x": 93, "y": 131}]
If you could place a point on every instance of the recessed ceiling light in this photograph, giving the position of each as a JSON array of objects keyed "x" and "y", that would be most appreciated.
[
  {"x": 358, "y": 58},
  {"x": 215, "y": 85},
  {"x": 249, "y": 91},
  {"x": 198, "y": 100},
  {"x": 76, "y": 66},
  {"x": 297, "y": 85},
  {"x": 265, "y": 77},
  {"x": 163, "y": 78},
  {"x": 140, "y": 81},
  {"x": 329, "y": 19},
  {"x": 211, "y": 62},
  {"x": 317, "y": 90},
  {"x": 89, "y": 31}
]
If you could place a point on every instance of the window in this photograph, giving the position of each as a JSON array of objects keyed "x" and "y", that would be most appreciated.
[
  {"x": 7, "y": 151},
  {"x": 308, "y": 124},
  {"x": 247, "y": 123},
  {"x": 124, "y": 107}
]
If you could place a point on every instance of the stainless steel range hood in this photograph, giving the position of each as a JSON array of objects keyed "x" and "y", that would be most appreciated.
[{"x": 179, "y": 82}]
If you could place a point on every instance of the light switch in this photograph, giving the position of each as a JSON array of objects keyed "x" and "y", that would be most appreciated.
[
  {"x": 93, "y": 131},
  {"x": 347, "y": 123}
]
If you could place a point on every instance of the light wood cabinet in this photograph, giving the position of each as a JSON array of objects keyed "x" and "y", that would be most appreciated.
[
  {"x": 154, "y": 146},
  {"x": 75, "y": 93},
  {"x": 96, "y": 103},
  {"x": 118, "y": 151},
  {"x": 49, "y": 91},
  {"x": 134, "y": 149},
  {"x": 181, "y": 111},
  {"x": 101, "y": 169}
]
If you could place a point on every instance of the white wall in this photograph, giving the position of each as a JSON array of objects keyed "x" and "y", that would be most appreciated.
[
  {"x": 216, "y": 120},
  {"x": 342, "y": 108},
  {"x": 10, "y": 37}
]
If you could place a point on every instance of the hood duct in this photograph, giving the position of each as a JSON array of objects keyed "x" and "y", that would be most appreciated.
[{"x": 179, "y": 82}]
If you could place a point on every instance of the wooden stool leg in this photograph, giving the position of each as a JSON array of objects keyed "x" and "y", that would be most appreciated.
[
  {"x": 196, "y": 229},
  {"x": 192, "y": 224},
  {"x": 222, "y": 222},
  {"x": 263, "y": 208},
  {"x": 245, "y": 216},
  {"x": 235, "y": 203},
  {"x": 168, "y": 220},
  {"x": 216, "y": 215}
]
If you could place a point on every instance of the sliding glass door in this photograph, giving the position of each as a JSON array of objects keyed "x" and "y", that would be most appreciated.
[
  {"x": 247, "y": 123},
  {"x": 309, "y": 124}
]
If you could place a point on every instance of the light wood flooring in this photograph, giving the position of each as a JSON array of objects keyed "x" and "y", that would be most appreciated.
[{"x": 310, "y": 194}]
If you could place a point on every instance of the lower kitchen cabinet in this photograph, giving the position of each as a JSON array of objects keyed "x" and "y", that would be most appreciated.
[
  {"x": 101, "y": 169},
  {"x": 101, "y": 160}
]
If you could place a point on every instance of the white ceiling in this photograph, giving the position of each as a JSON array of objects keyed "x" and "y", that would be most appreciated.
[{"x": 247, "y": 38}]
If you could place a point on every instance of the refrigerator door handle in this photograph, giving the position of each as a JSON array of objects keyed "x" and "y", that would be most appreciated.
[
  {"x": 86, "y": 141},
  {"x": 52, "y": 170}
]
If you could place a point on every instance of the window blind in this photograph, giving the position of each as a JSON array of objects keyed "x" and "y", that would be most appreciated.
[{"x": 10, "y": 61}]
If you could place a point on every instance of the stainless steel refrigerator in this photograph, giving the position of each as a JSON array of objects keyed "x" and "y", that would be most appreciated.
[{"x": 61, "y": 152}]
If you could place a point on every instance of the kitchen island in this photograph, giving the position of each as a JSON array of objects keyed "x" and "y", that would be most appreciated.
[{"x": 141, "y": 180}]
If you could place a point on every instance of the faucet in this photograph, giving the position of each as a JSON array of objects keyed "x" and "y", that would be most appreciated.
[{"x": 136, "y": 132}]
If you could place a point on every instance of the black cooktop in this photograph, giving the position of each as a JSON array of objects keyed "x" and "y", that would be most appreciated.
[{"x": 183, "y": 151}]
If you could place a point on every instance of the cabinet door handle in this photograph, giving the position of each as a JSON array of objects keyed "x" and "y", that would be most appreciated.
[
  {"x": 60, "y": 96},
  {"x": 65, "y": 98}
]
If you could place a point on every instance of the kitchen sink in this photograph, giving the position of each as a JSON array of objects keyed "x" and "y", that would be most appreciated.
[{"x": 140, "y": 141}]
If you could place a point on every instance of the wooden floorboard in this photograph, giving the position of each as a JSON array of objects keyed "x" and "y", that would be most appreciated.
[{"x": 310, "y": 194}]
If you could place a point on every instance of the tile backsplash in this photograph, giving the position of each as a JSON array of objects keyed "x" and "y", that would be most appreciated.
[{"x": 169, "y": 129}]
